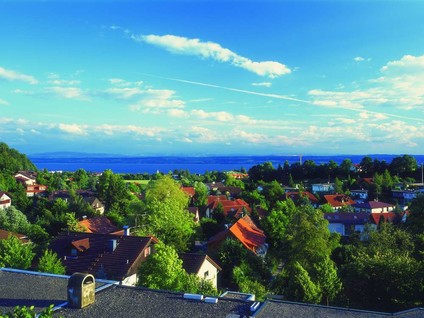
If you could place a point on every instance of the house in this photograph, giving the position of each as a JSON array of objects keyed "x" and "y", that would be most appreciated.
[
  {"x": 108, "y": 256},
  {"x": 347, "y": 223},
  {"x": 26, "y": 177},
  {"x": 99, "y": 225},
  {"x": 296, "y": 197},
  {"x": 22, "y": 237},
  {"x": 214, "y": 186},
  {"x": 359, "y": 195},
  {"x": 29, "y": 180},
  {"x": 95, "y": 204},
  {"x": 404, "y": 196},
  {"x": 88, "y": 196},
  {"x": 322, "y": 187},
  {"x": 201, "y": 265},
  {"x": 389, "y": 217},
  {"x": 231, "y": 208},
  {"x": 114, "y": 300},
  {"x": 250, "y": 236},
  {"x": 373, "y": 207},
  {"x": 5, "y": 200},
  {"x": 338, "y": 201}
]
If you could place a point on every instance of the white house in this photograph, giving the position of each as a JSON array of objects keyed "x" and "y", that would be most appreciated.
[
  {"x": 5, "y": 200},
  {"x": 201, "y": 265}
]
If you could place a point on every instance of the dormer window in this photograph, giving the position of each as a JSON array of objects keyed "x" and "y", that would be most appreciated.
[{"x": 73, "y": 252}]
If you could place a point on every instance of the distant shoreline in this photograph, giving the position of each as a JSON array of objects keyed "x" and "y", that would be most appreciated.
[{"x": 165, "y": 164}]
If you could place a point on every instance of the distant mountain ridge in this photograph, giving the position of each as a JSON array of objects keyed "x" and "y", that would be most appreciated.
[{"x": 72, "y": 154}]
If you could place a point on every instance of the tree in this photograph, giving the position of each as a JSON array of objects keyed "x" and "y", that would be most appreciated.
[
  {"x": 111, "y": 189},
  {"x": 300, "y": 286},
  {"x": 29, "y": 312},
  {"x": 201, "y": 194},
  {"x": 403, "y": 166},
  {"x": 13, "y": 220},
  {"x": 164, "y": 189},
  {"x": 246, "y": 284},
  {"x": 327, "y": 279},
  {"x": 415, "y": 219},
  {"x": 14, "y": 254},
  {"x": 164, "y": 270},
  {"x": 338, "y": 186},
  {"x": 50, "y": 263}
]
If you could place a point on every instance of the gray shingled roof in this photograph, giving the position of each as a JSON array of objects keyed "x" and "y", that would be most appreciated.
[
  {"x": 124, "y": 301},
  {"x": 274, "y": 309}
]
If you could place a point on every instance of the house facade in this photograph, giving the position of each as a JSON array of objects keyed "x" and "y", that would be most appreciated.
[
  {"x": 373, "y": 207},
  {"x": 201, "y": 265},
  {"x": 5, "y": 200}
]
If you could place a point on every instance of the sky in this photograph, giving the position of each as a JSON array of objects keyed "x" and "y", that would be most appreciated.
[{"x": 197, "y": 78}]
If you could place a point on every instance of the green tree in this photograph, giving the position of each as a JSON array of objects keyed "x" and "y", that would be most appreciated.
[
  {"x": 13, "y": 220},
  {"x": 28, "y": 312},
  {"x": 327, "y": 279},
  {"x": 300, "y": 286},
  {"x": 50, "y": 263},
  {"x": 201, "y": 194},
  {"x": 14, "y": 254},
  {"x": 338, "y": 186},
  {"x": 248, "y": 285},
  {"x": 165, "y": 189},
  {"x": 172, "y": 225},
  {"x": 111, "y": 189}
]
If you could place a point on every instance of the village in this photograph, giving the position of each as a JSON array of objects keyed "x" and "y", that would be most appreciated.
[{"x": 347, "y": 235}]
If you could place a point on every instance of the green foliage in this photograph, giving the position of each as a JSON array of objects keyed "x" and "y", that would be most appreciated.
[
  {"x": 300, "y": 286},
  {"x": 166, "y": 214},
  {"x": 382, "y": 274},
  {"x": 28, "y": 312},
  {"x": 164, "y": 270},
  {"x": 50, "y": 263},
  {"x": 11, "y": 160},
  {"x": 201, "y": 194},
  {"x": 415, "y": 219},
  {"x": 170, "y": 224},
  {"x": 246, "y": 284},
  {"x": 14, "y": 254},
  {"x": 111, "y": 189},
  {"x": 13, "y": 220},
  {"x": 327, "y": 279}
]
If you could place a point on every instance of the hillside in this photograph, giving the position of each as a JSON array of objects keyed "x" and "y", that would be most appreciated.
[{"x": 12, "y": 160}]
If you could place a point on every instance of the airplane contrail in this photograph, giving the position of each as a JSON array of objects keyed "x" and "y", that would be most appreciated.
[
  {"x": 232, "y": 89},
  {"x": 278, "y": 96}
]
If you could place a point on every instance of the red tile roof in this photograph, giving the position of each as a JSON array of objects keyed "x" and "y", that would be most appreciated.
[
  {"x": 386, "y": 216},
  {"x": 251, "y": 238},
  {"x": 295, "y": 196},
  {"x": 189, "y": 191},
  {"x": 338, "y": 200},
  {"x": 230, "y": 207},
  {"x": 99, "y": 224}
]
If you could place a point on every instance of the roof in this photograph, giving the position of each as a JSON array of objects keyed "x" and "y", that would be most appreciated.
[
  {"x": 98, "y": 224},
  {"x": 277, "y": 309},
  {"x": 122, "y": 301},
  {"x": 230, "y": 207},
  {"x": 386, "y": 216},
  {"x": 95, "y": 254},
  {"x": 338, "y": 200},
  {"x": 27, "y": 174},
  {"x": 2, "y": 193},
  {"x": 295, "y": 196},
  {"x": 251, "y": 238},
  {"x": 112, "y": 300},
  {"x": 189, "y": 191},
  {"x": 373, "y": 205},
  {"x": 192, "y": 262},
  {"x": 348, "y": 218},
  {"x": 4, "y": 234}
]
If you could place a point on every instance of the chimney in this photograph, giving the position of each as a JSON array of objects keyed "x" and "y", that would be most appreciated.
[{"x": 126, "y": 230}]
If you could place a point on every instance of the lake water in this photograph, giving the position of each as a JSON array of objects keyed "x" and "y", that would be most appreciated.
[{"x": 193, "y": 164}]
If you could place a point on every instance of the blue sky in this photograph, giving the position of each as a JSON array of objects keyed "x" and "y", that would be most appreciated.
[{"x": 212, "y": 77}]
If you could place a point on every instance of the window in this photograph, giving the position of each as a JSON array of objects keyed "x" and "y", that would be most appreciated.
[{"x": 206, "y": 274}]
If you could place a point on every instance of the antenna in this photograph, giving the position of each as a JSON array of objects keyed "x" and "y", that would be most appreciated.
[{"x": 300, "y": 159}]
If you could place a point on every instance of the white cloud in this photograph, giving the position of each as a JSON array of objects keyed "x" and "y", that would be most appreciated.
[
  {"x": 177, "y": 113},
  {"x": 73, "y": 129},
  {"x": 4, "y": 102},
  {"x": 211, "y": 50},
  {"x": 400, "y": 86},
  {"x": 15, "y": 76},
  {"x": 265, "y": 84},
  {"x": 361, "y": 59},
  {"x": 68, "y": 92}
]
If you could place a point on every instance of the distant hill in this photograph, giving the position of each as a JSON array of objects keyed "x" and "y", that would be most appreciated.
[{"x": 12, "y": 160}]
